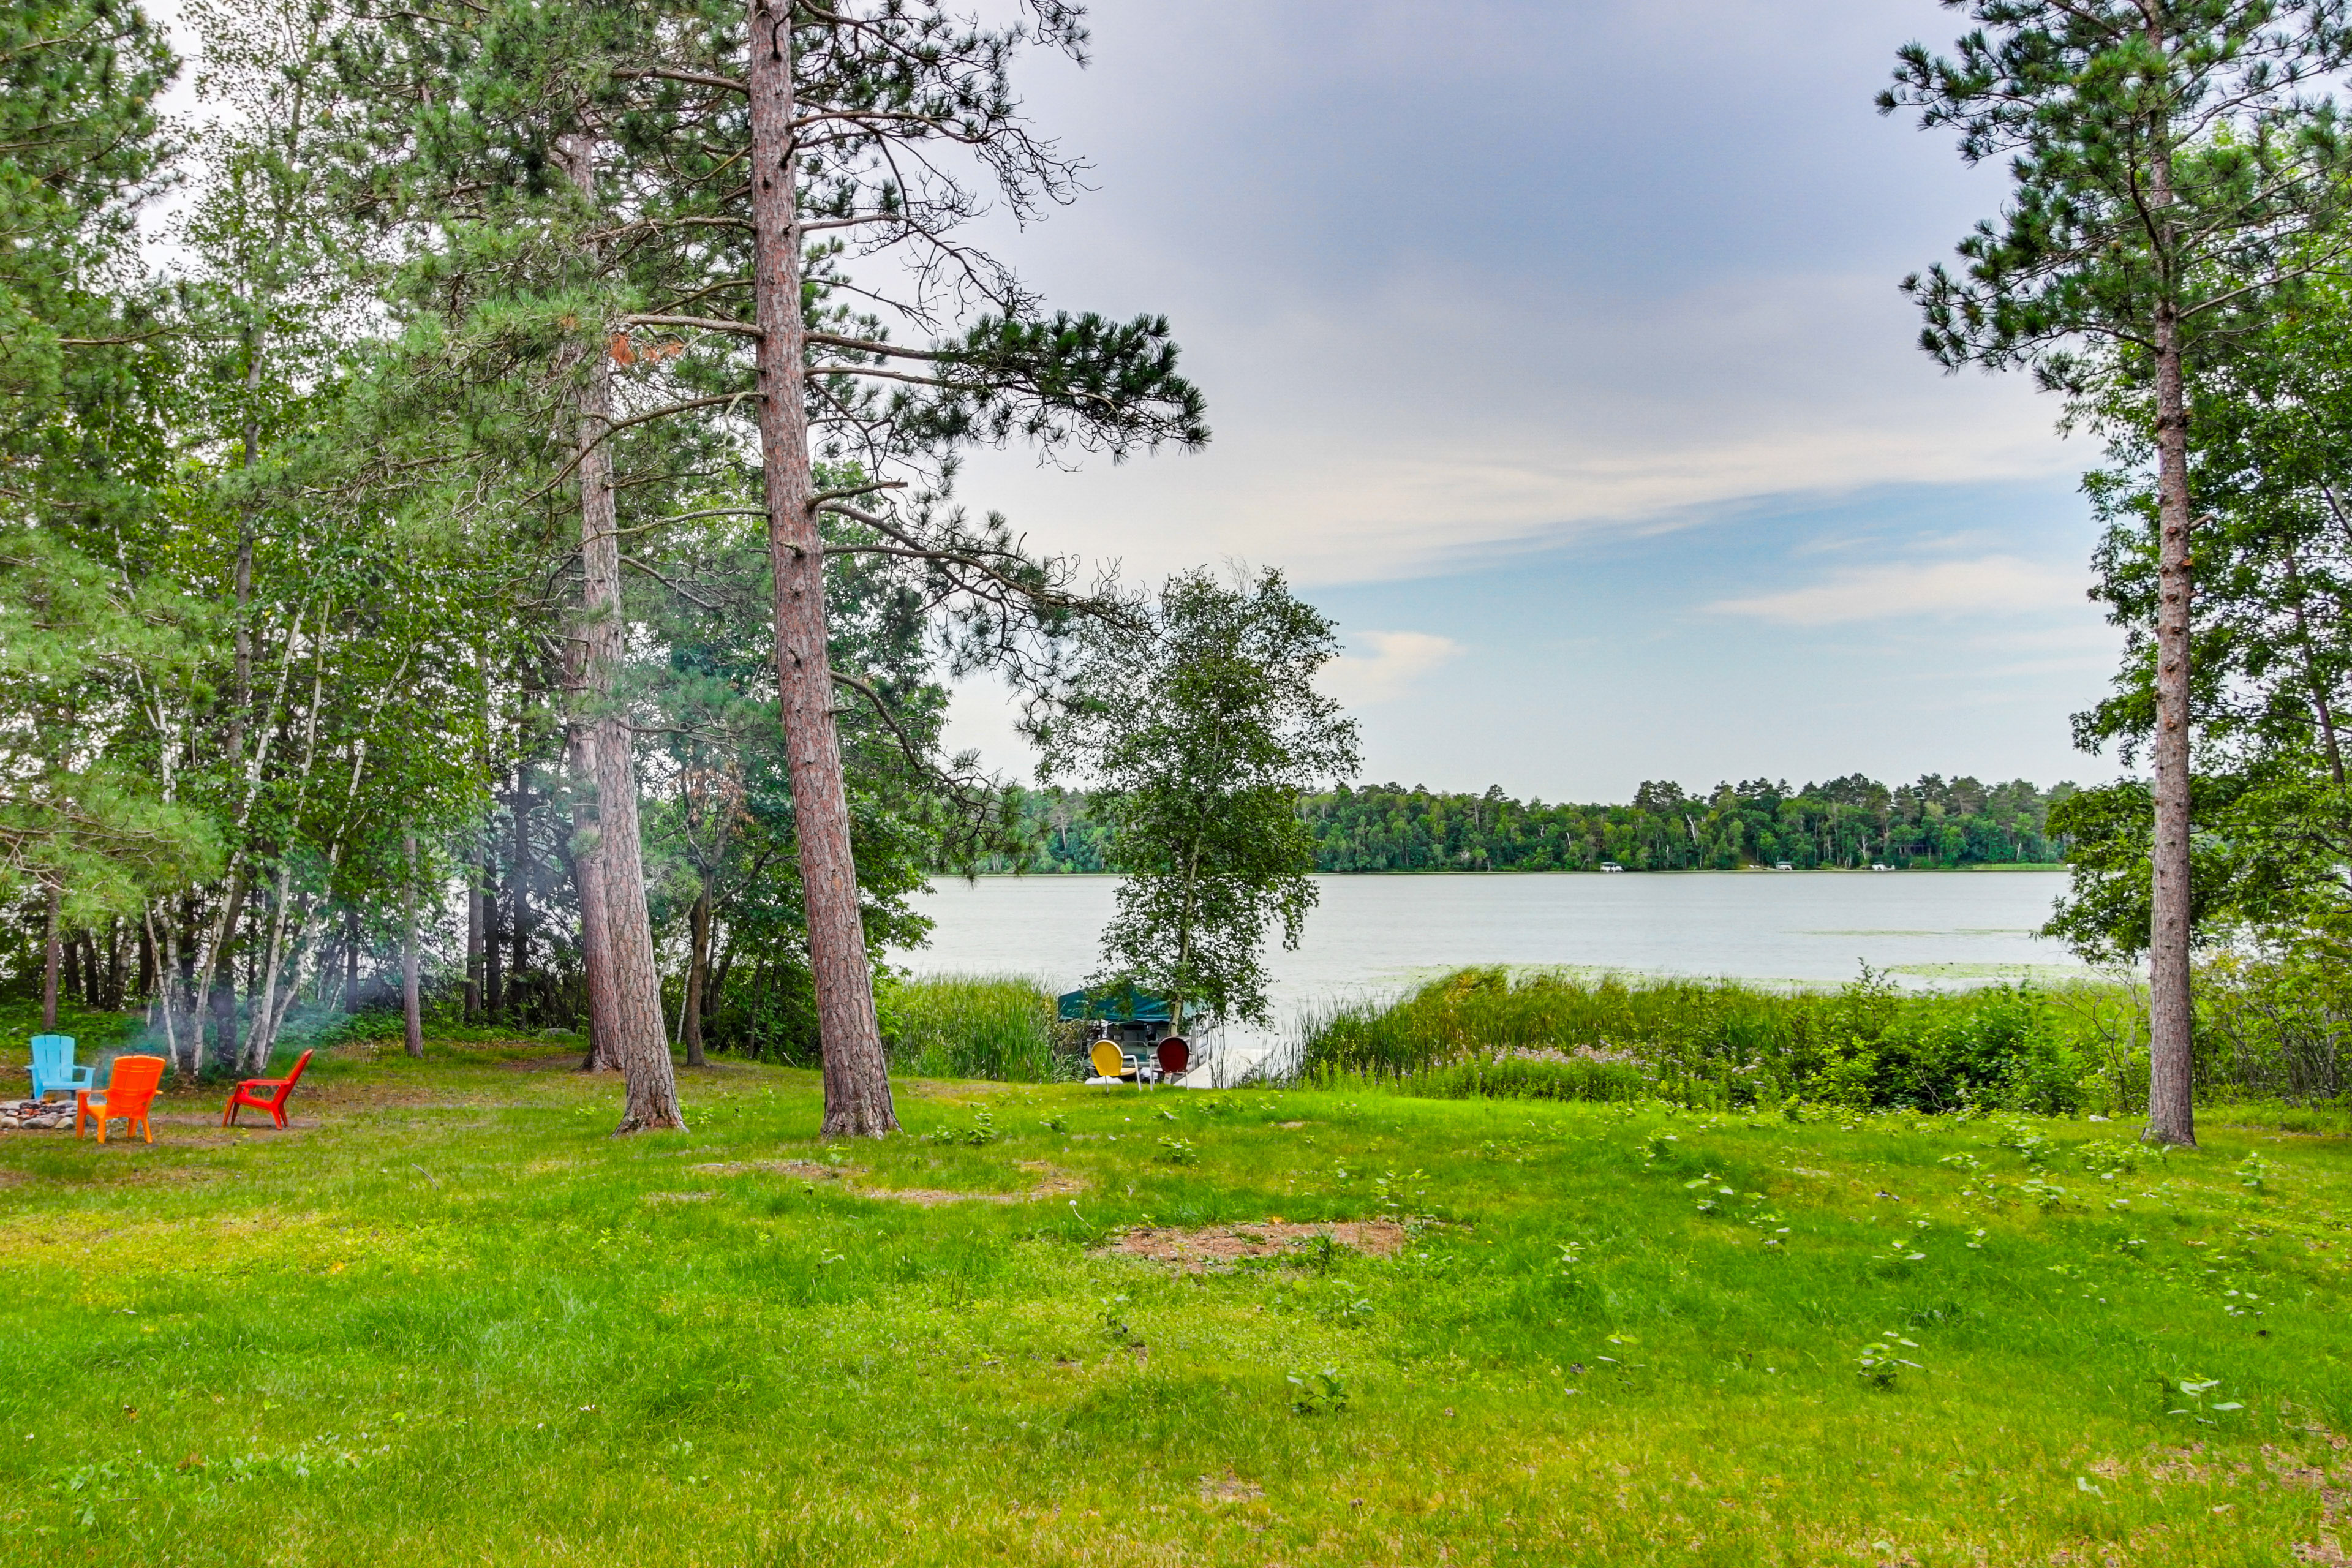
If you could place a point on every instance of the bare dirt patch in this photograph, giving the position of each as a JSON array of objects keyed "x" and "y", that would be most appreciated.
[
  {"x": 952, "y": 1088},
  {"x": 931, "y": 1197},
  {"x": 568, "y": 1061},
  {"x": 162, "y": 1176},
  {"x": 1218, "y": 1246},
  {"x": 805, "y": 1170},
  {"x": 1229, "y": 1488},
  {"x": 1054, "y": 1184}
]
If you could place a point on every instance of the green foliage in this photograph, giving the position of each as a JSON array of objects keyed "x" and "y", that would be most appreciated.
[
  {"x": 2274, "y": 1021},
  {"x": 1323, "y": 1392},
  {"x": 1202, "y": 728},
  {"x": 1881, "y": 1362},
  {"x": 1547, "y": 1036},
  {"x": 2091, "y": 106},
  {"x": 969, "y": 1027}
]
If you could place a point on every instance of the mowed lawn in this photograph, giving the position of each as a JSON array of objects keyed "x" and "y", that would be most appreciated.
[{"x": 446, "y": 1318}]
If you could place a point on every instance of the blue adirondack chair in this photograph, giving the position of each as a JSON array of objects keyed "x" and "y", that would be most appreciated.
[{"x": 53, "y": 1067}]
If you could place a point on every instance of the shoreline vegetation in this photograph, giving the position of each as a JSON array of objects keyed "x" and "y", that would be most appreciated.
[
  {"x": 2267, "y": 1031},
  {"x": 1851, "y": 823}
]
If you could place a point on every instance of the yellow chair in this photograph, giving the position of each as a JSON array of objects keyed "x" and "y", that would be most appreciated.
[
  {"x": 1108, "y": 1062},
  {"x": 129, "y": 1091}
]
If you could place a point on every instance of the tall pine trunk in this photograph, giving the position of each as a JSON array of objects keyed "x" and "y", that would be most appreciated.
[
  {"x": 595, "y": 932},
  {"x": 50, "y": 953},
  {"x": 857, "y": 1075},
  {"x": 628, "y": 1016},
  {"x": 2170, "y": 1117}
]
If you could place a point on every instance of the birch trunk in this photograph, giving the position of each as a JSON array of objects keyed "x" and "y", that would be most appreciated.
[
  {"x": 164, "y": 990},
  {"x": 698, "y": 965},
  {"x": 474, "y": 928},
  {"x": 411, "y": 1009},
  {"x": 518, "y": 891},
  {"x": 350, "y": 961},
  {"x": 261, "y": 1033},
  {"x": 494, "y": 990},
  {"x": 857, "y": 1075}
]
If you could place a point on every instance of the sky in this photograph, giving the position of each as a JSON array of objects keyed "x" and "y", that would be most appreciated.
[{"x": 1556, "y": 351}]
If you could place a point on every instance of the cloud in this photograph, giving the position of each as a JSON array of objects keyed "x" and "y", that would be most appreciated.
[
  {"x": 1993, "y": 586},
  {"x": 1544, "y": 419},
  {"x": 1396, "y": 661}
]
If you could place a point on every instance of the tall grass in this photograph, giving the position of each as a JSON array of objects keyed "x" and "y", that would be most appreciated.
[
  {"x": 1708, "y": 1042},
  {"x": 969, "y": 1026}
]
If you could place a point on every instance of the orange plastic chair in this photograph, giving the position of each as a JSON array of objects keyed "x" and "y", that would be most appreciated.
[
  {"x": 130, "y": 1089},
  {"x": 275, "y": 1093}
]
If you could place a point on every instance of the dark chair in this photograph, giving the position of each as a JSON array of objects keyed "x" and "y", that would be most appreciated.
[{"x": 1175, "y": 1057}]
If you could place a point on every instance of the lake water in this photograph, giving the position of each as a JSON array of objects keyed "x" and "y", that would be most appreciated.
[{"x": 1373, "y": 935}]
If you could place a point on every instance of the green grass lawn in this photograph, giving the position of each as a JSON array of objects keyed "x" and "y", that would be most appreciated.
[{"x": 447, "y": 1319}]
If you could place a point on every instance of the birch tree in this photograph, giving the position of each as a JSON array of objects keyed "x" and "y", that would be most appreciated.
[{"x": 1201, "y": 736}]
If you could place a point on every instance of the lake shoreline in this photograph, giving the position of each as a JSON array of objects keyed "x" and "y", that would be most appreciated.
[{"x": 2043, "y": 868}]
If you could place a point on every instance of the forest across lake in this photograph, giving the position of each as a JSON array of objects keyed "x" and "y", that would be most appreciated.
[{"x": 1852, "y": 822}]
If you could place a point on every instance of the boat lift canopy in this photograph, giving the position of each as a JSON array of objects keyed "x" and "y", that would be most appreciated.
[{"x": 1118, "y": 1005}]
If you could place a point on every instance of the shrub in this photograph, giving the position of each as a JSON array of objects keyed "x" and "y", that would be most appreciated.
[{"x": 1531, "y": 1077}]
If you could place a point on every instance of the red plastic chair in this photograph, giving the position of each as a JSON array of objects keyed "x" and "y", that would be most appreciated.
[
  {"x": 130, "y": 1089},
  {"x": 272, "y": 1098}
]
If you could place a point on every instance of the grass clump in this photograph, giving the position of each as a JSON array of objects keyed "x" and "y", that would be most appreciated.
[
  {"x": 969, "y": 1026},
  {"x": 1710, "y": 1042}
]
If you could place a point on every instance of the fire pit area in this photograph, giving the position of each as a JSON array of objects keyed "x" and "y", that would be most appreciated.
[{"x": 35, "y": 1116}]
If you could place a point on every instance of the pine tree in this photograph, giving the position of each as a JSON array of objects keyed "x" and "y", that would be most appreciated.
[{"x": 2173, "y": 171}]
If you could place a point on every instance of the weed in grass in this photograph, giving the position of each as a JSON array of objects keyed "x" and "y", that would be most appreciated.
[
  {"x": 2048, "y": 1194},
  {"x": 1115, "y": 1326},
  {"x": 1880, "y": 1362},
  {"x": 1323, "y": 1392}
]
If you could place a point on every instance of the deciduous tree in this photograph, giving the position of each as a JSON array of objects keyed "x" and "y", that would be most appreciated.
[{"x": 1200, "y": 728}]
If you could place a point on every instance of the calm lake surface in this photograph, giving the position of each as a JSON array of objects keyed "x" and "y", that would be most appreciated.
[{"x": 1374, "y": 935}]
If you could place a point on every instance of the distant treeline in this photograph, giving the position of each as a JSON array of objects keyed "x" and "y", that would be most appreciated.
[{"x": 1850, "y": 822}]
